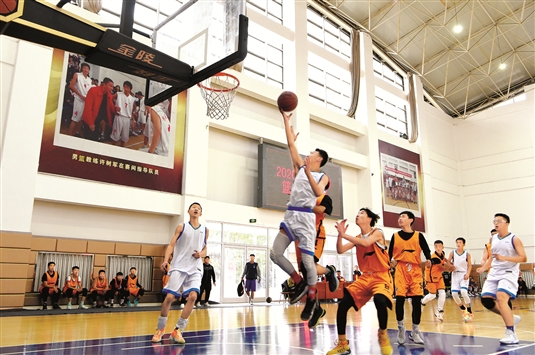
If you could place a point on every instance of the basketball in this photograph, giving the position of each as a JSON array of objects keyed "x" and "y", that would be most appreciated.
[
  {"x": 7, "y": 6},
  {"x": 287, "y": 101},
  {"x": 268, "y": 300}
]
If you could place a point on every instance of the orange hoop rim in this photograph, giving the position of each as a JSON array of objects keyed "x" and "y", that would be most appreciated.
[{"x": 221, "y": 90}]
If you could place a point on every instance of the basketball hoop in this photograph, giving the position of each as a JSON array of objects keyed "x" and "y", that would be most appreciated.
[{"x": 218, "y": 91}]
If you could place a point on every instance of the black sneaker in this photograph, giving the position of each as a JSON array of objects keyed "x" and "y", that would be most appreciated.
[
  {"x": 56, "y": 306},
  {"x": 45, "y": 306},
  {"x": 309, "y": 308},
  {"x": 318, "y": 313},
  {"x": 122, "y": 304},
  {"x": 332, "y": 279},
  {"x": 105, "y": 306},
  {"x": 111, "y": 305},
  {"x": 300, "y": 290}
]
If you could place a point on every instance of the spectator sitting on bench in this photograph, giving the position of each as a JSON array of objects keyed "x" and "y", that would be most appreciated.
[
  {"x": 73, "y": 288},
  {"x": 100, "y": 287},
  {"x": 117, "y": 289},
  {"x": 133, "y": 287},
  {"x": 472, "y": 287},
  {"x": 49, "y": 286},
  {"x": 339, "y": 276}
]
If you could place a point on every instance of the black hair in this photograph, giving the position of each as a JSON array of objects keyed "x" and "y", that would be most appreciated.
[
  {"x": 461, "y": 239},
  {"x": 75, "y": 267},
  {"x": 504, "y": 216},
  {"x": 375, "y": 217},
  {"x": 119, "y": 274},
  {"x": 252, "y": 255},
  {"x": 127, "y": 83},
  {"x": 133, "y": 267},
  {"x": 107, "y": 80},
  {"x": 85, "y": 65},
  {"x": 410, "y": 215},
  {"x": 51, "y": 263},
  {"x": 207, "y": 257},
  {"x": 438, "y": 241},
  {"x": 324, "y": 156},
  {"x": 493, "y": 230},
  {"x": 104, "y": 271},
  {"x": 195, "y": 203}
]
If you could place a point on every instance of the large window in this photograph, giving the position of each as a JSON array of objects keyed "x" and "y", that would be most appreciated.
[
  {"x": 270, "y": 8},
  {"x": 328, "y": 85},
  {"x": 391, "y": 113},
  {"x": 264, "y": 60},
  {"x": 384, "y": 71},
  {"x": 327, "y": 34}
]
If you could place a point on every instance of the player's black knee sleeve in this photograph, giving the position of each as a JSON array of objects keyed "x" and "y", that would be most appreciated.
[
  {"x": 381, "y": 303},
  {"x": 488, "y": 303},
  {"x": 400, "y": 312}
]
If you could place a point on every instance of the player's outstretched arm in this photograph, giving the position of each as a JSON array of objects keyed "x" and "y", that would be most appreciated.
[{"x": 291, "y": 136}]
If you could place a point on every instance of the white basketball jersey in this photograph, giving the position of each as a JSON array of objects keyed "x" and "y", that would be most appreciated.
[
  {"x": 302, "y": 194},
  {"x": 162, "y": 148},
  {"x": 188, "y": 241},
  {"x": 126, "y": 103},
  {"x": 460, "y": 261},
  {"x": 83, "y": 85},
  {"x": 503, "y": 246}
]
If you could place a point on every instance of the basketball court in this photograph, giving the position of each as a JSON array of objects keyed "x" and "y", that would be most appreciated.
[{"x": 261, "y": 329}]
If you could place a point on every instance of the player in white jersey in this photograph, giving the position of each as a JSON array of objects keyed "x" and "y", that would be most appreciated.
[
  {"x": 125, "y": 105},
  {"x": 160, "y": 127},
  {"x": 502, "y": 281},
  {"x": 188, "y": 247},
  {"x": 299, "y": 220},
  {"x": 79, "y": 86},
  {"x": 462, "y": 266}
]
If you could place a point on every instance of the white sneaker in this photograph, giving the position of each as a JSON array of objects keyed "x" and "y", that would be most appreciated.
[
  {"x": 69, "y": 306},
  {"x": 416, "y": 337},
  {"x": 401, "y": 334},
  {"x": 517, "y": 319},
  {"x": 439, "y": 316},
  {"x": 510, "y": 338}
]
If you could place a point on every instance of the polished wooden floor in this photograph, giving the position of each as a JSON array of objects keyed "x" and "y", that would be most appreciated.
[{"x": 46, "y": 329}]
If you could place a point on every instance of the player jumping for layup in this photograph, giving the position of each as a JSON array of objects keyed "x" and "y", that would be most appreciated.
[{"x": 299, "y": 220}]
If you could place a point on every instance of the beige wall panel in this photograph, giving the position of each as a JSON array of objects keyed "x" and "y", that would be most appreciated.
[
  {"x": 72, "y": 246},
  {"x": 127, "y": 249},
  {"x": 100, "y": 247},
  {"x": 44, "y": 244},
  {"x": 15, "y": 240},
  {"x": 16, "y": 256}
]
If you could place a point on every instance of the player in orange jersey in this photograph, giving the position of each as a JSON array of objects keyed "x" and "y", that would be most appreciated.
[{"x": 404, "y": 250}]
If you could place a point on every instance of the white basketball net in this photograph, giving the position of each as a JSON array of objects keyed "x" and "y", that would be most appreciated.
[{"x": 218, "y": 91}]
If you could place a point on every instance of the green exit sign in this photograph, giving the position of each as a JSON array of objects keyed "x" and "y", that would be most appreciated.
[{"x": 252, "y": 220}]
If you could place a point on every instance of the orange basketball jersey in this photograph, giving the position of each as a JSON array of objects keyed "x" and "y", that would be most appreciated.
[
  {"x": 372, "y": 258},
  {"x": 407, "y": 250},
  {"x": 319, "y": 220},
  {"x": 131, "y": 282},
  {"x": 72, "y": 283},
  {"x": 100, "y": 284},
  {"x": 434, "y": 272}
]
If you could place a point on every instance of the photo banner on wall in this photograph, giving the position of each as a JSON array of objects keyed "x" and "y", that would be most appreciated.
[
  {"x": 109, "y": 139},
  {"x": 401, "y": 185}
]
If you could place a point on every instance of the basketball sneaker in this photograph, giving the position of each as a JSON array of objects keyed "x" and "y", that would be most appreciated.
[
  {"x": 440, "y": 316},
  {"x": 467, "y": 317},
  {"x": 300, "y": 290},
  {"x": 82, "y": 306},
  {"x": 177, "y": 337},
  {"x": 401, "y": 334},
  {"x": 310, "y": 305},
  {"x": 69, "y": 305},
  {"x": 510, "y": 338},
  {"x": 157, "y": 337},
  {"x": 136, "y": 301},
  {"x": 416, "y": 337},
  {"x": 318, "y": 314},
  {"x": 384, "y": 342},
  {"x": 341, "y": 347},
  {"x": 45, "y": 306},
  {"x": 128, "y": 303},
  {"x": 332, "y": 279}
]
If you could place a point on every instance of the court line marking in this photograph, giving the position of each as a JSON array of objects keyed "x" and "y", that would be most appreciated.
[
  {"x": 467, "y": 346},
  {"x": 255, "y": 344},
  {"x": 511, "y": 349}
]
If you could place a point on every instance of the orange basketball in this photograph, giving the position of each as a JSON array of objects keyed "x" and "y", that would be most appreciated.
[
  {"x": 7, "y": 6},
  {"x": 287, "y": 101}
]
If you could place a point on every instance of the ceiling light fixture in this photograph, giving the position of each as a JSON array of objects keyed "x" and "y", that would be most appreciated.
[
  {"x": 457, "y": 28},
  {"x": 502, "y": 66}
]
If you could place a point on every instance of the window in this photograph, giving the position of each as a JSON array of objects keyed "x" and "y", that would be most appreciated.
[
  {"x": 328, "y": 87},
  {"x": 64, "y": 263},
  {"x": 384, "y": 71},
  {"x": 143, "y": 265},
  {"x": 270, "y": 8},
  {"x": 328, "y": 34},
  {"x": 391, "y": 113},
  {"x": 264, "y": 60}
]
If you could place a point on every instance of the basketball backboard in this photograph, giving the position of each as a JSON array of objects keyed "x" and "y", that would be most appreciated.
[
  {"x": 200, "y": 39},
  {"x": 208, "y": 35}
]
